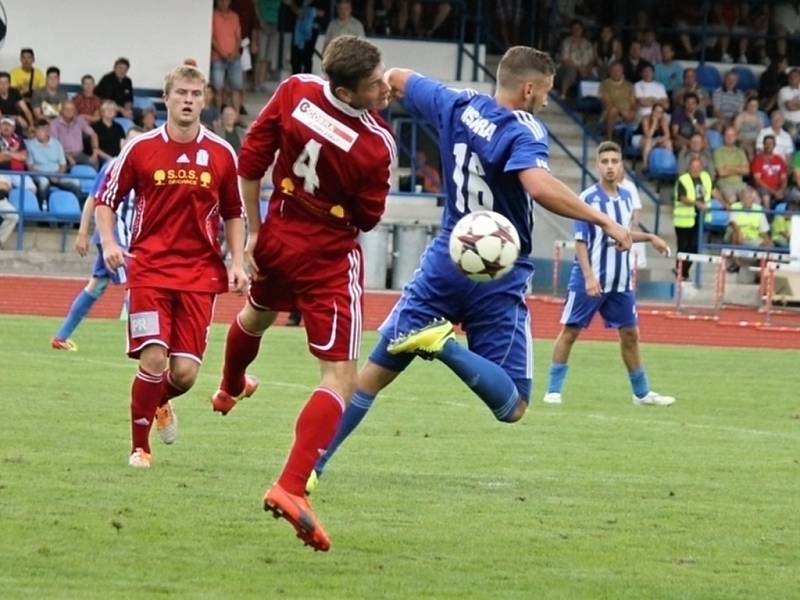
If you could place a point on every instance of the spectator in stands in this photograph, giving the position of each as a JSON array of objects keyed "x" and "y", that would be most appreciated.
[
  {"x": 12, "y": 104},
  {"x": 8, "y": 214},
  {"x": 649, "y": 92},
  {"x": 147, "y": 120},
  {"x": 655, "y": 132},
  {"x": 304, "y": 36},
  {"x": 618, "y": 99},
  {"x": 732, "y": 166},
  {"x": 118, "y": 87},
  {"x": 749, "y": 124},
  {"x": 577, "y": 59},
  {"x": 443, "y": 9},
  {"x": 109, "y": 133},
  {"x": 728, "y": 101},
  {"x": 784, "y": 145},
  {"x": 668, "y": 72},
  {"x": 651, "y": 49},
  {"x": 698, "y": 148},
  {"x": 385, "y": 20},
  {"x": 795, "y": 165},
  {"x": 344, "y": 23},
  {"x": 693, "y": 192},
  {"x": 267, "y": 67},
  {"x": 771, "y": 81},
  {"x": 748, "y": 225},
  {"x": 248, "y": 24},
  {"x": 686, "y": 121},
  {"x": 690, "y": 85},
  {"x": 26, "y": 78},
  {"x": 226, "y": 62},
  {"x": 46, "y": 155},
  {"x": 210, "y": 114},
  {"x": 786, "y": 19},
  {"x": 607, "y": 51},
  {"x": 69, "y": 128},
  {"x": 728, "y": 16},
  {"x": 789, "y": 100},
  {"x": 13, "y": 153},
  {"x": 689, "y": 16},
  {"x": 509, "y": 16},
  {"x": 86, "y": 102},
  {"x": 47, "y": 101},
  {"x": 634, "y": 63},
  {"x": 229, "y": 128},
  {"x": 782, "y": 225},
  {"x": 636, "y": 201},
  {"x": 427, "y": 175},
  {"x": 770, "y": 174}
]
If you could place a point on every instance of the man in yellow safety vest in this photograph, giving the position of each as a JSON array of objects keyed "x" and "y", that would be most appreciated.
[{"x": 693, "y": 192}]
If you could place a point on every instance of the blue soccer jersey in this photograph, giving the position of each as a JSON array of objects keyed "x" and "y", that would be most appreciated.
[
  {"x": 483, "y": 146},
  {"x": 611, "y": 267},
  {"x": 124, "y": 211}
]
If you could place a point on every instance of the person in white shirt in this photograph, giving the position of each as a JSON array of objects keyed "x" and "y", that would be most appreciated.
[
  {"x": 8, "y": 213},
  {"x": 626, "y": 183},
  {"x": 784, "y": 145},
  {"x": 789, "y": 99},
  {"x": 649, "y": 93}
]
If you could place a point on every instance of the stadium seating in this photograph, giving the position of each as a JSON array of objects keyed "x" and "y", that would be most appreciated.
[
  {"x": 708, "y": 77},
  {"x": 713, "y": 138},
  {"x": 87, "y": 173},
  {"x": 764, "y": 118},
  {"x": 719, "y": 217},
  {"x": 28, "y": 204},
  {"x": 747, "y": 80},
  {"x": 64, "y": 205},
  {"x": 662, "y": 165},
  {"x": 142, "y": 103},
  {"x": 125, "y": 123}
]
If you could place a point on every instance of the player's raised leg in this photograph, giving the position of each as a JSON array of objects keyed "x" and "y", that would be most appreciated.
[{"x": 241, "y": 348}]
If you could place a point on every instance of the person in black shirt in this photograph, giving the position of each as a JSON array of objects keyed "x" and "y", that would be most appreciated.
[
  {"x": 118, "y": 87},
  {"x": 109, "y": 133},
  {"x": 11, "y": 103}
]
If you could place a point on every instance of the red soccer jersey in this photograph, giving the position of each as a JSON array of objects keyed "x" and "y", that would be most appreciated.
[
  {"x": 770, "y": 168},
  {"x": 182, "y": 189},
  {"x": 331, "y": 176}
]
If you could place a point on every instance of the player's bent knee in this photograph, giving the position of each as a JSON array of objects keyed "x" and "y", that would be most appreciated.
[
  {"x": 97, "y": 286},
  {"x": 184, "y": 373},
  {"x": 256, "y": 321},
  {"x": 519, "y": 411},
  {"x": 153, "y": 358}
]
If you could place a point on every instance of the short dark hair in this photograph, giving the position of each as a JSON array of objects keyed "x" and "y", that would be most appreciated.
[
  {"x": 26, "y": 51},
  {"x": 5, "y": 74},
  {"x": 349, "y": 59},
  {"x": 55, "y": 70},
  {"x": 688, "y": 95},
  {"x": 122, "y": 61},
  {"x": 41, "y": 123},
  {"x": 87, "y": 76},
  {"x": 608, "y": 146},
  {"x": 769, "y": 137},
  {"x": 518, "y": 61}
]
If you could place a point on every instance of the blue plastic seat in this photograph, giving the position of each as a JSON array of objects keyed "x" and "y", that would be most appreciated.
[
  {"x": 86, "y": 173},
  {"x": 26, "y": 202},
  {"x": 747, "y": 80},
  {"x": 714, "y": 139},
  {"x": 764, "y": 118},
  {"x": 143, "y": 102},
  {"x": 125, "y": 123},
  {"x": 720, "y": 217},
  {"x": 709, "y": 77},
  {"x": 64, "y": 205},
  {"x": 662, "y": 165}
]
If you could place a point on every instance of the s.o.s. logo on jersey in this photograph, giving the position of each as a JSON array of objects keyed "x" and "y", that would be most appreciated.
[{"x": 182, "y": 177}]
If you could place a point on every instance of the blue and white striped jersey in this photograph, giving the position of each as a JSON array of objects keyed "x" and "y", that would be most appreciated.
[
  {"x": 125, "y": 211},
  {"x": 611, "y": 267},
  {"x": 483, "y": 146}
]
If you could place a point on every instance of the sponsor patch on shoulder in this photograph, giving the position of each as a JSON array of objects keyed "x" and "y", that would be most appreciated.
[
  {"x": 144, "y": 324},
  {"x": 316, "y": 119}
]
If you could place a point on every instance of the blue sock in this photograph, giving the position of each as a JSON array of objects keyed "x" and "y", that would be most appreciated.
[
  {"x": 485, "y": 378},
  {"x": 639, "y": 383},
  {"x": 558, "y": 373},
  {"x": 355, "y": 412},
  {"x": 80, "y": 306}
]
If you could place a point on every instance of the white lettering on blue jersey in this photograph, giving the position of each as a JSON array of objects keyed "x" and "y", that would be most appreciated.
[{"x": 480, "y": 126}]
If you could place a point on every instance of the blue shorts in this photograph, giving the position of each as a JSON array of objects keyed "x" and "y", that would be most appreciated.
[
  {"x": 618, "y": 309},
  {"x": 494, "y": 315},
  {"x": 227, "y": 71},
  {"x": 100, "y": 271}
]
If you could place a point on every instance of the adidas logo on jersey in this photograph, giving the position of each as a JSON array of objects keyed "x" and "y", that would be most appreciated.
[{"x": 182, "y": 159}]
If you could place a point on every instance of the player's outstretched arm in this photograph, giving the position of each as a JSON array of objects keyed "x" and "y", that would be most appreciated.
[
  {"x": 556, "y": 197},
  {"x": 397, "y": 79},
  {"x": 82, "y": 240},
  {"x": 660, "y": 245}
]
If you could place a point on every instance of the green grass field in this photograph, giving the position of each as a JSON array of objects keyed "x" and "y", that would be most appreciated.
[{"x": 431, "y": 498}]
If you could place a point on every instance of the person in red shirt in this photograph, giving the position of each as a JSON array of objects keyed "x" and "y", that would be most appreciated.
[
  {"x": 184, "y": 177},
  {"x": 331, "y": 179},
  {"x": 770, "y": 173}
]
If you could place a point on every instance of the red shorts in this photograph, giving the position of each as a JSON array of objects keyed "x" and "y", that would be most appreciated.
[
  {"x": 328, "y": 292},
  {"x": 177, "y": 320}
]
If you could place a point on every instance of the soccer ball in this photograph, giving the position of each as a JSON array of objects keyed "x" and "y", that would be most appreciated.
[{"x": 484, "y": 245}]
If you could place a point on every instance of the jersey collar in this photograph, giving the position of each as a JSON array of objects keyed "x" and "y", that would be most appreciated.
[{"x": 342, "y": 106}]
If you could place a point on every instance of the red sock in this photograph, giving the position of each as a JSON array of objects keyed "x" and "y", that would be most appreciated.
[
  {"x": 146, "y": 392},
  {"x": 241, "y": 348},
  {"x": 315, "y": 427},
  {"x": 169, "y": 389}
]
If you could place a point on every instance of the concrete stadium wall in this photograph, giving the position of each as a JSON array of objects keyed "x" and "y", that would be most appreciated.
[{"x": 86, "y": 36}]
